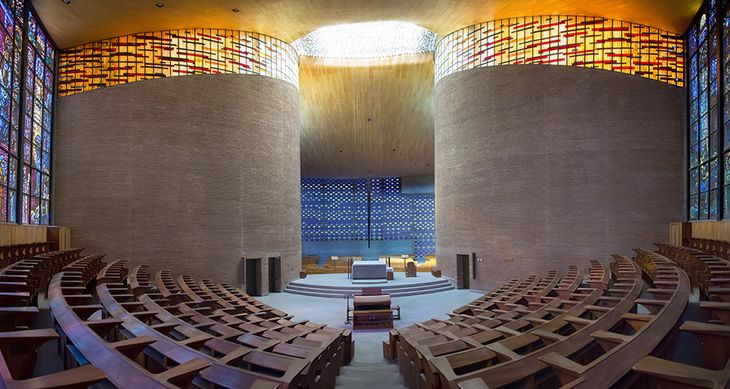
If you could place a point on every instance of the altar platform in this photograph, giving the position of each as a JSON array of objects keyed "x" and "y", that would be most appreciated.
[{"x": 337, "y": 285}]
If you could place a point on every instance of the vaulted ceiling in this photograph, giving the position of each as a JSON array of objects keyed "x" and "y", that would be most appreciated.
[{"x": 83, "y": 21}]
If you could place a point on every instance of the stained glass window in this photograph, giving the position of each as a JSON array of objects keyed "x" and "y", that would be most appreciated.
[
  {"x": 583, "y": 41},
  {"x": 11, "y": 40},
  {"x": 37, "y": 123},
  {"x": 705, "y": 117},
  {"x": 173, "y": 53},
  {"x": 27, "y": 63}
]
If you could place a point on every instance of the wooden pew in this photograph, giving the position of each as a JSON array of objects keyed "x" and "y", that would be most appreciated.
[
  {"x": 23, "y": 345},
  {"x": 114, "y": 272},
  {"x": 516, "y": 358},
  {"x": 117, "y": 358},
  {"x": 139, "y": 280},
  {"x": 618, "y": 352},
  {"x": 221, "y": 371}
]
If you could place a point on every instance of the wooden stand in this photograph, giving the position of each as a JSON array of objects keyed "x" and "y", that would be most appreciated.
[{"x": 372, "y": 311}]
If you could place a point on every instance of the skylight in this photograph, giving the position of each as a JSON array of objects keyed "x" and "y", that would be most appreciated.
[{"x": 366, "y": 40}]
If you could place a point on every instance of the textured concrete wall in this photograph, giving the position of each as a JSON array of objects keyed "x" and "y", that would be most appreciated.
[
  {"x": 539, "y": 167},
  {"x": 185, "y": 173}
]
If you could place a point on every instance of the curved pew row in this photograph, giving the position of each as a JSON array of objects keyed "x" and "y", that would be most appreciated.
[
  {"x": 22, "y": 281},
  {"x": 716, "y": 248},
  {"x": 18, "y": 344},
  {"x": 10, "y": 254},
  {"x": 712, "y": 368},
  {"x": 614, "y": 352},
  {"x": 709, "y": 273},
  {"x": 507, "y": 350},
  {"x": 246, "y": 341},
  {"x": 82, "y": 330}
]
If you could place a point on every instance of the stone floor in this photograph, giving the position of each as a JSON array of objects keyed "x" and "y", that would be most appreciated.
[{"x": 368, "y": 368}]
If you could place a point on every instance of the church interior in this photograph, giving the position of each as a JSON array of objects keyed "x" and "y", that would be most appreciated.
[{"x": 310, "y": 194}]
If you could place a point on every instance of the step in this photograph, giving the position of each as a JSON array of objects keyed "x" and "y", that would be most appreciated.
[
  {"x": 313, "y": 288},
  {"x": 359, "y": 287},
  {"x": 339, "y": 294}
]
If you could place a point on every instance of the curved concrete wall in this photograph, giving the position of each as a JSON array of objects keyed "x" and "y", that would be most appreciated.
[
  {"x": 539, "y": 167},
  {"x": 186, "y": 173}
]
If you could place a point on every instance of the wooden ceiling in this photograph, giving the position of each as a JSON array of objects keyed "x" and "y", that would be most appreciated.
[
  {"x": 84, "y": 21},
  {"x": 367, "y": 117}
]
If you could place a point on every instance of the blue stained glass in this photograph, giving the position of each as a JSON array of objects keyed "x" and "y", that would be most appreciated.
[
  {"x": 46, "y": 119},
  {"x": 6, "y": 45},
  {"x": 704, "y": 178},
  {"x": 32, "y": 28},
  {"x": 7, "y": 73},
  {"x": 46, "y": 163},
  {"x": 703, "y": 79},
  {"x": 693, "y": 67},
  {"x": 26, "y": 179},
  {"x": 693, "y": 156},
  {"x": 49, "y": 81},
  {"x": 45, "y": 192},
  {"x": 7, "y": 17},
  {"x": 713, "y": 205},
  {"x": 713, "y": 144},
  {"x": 44, "y": 212},
  {"x": 39, "y": 67},
  {"x": 13, "y": 174},
  {"x": 694, "y": 133},
  {"x": 4, "y": 104},
  {"x": 41, "y": 37},
  {"x": 3, "y": 168},
  {"x": 693, "y": 89},
  {"x": 18, "y": 6},
  {"x": 713, "y": 93},
  {"x": 703, "y": 56},
  {"x": 29, "y": 81},
  {"x": 704, "y": 127},
  {"x": 713, "y": 68},
  {"x": 12, "y": 211},
  {"x": 17, "y": 65},
  {"x": 4, "y": 134},
  {"x": 48, "y": 100},
  {"x": 703, "y": 206},
  {"x": 694, "y": 181},
  {"x": 28, "y": 129},
  {"x": 26, "y": 151},
  {"x": 694, "y": 207},
  {"x": 50, "y": 56},
  {"x": 36, "y": 183},
  {"x": 714, "y": 170},
  {"x": 704, "y": 150},
  {"x": 34, "y": 211}
]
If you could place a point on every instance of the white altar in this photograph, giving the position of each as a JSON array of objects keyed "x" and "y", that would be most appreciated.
[{"x": 368, "y": 270}]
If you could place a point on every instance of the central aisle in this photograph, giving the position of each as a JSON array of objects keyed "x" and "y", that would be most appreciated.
[{"x": 368, "y": 369}]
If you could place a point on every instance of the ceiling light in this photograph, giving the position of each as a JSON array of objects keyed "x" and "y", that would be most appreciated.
[
  {"x": 159, "y": 5},
  {"x": 366, "y": 40},
  {"x": 236, "y": 10}
]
